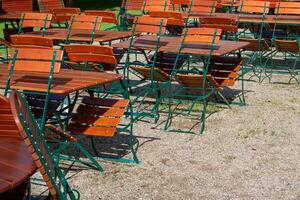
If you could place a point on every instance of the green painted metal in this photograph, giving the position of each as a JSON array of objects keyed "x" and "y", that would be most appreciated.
[
  {"x": 151, "y": 88},
  {"x": 63, "y": 189},
  {"x": 197, "y": 98},
  {"x": 11, "y": 70}
]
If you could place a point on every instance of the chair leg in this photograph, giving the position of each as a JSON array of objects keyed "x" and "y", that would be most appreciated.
[
  {"x": 203, "y": 117},
  {"x": 89, "y": 156}
]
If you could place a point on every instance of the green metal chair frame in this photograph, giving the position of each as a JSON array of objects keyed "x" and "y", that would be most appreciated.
[
  {"x": 152, "y": 87},
  {"x": 261, "y": 52},
  {"x": 205, "y": 92},
  {"x": 290, "y": 49},
  {"x": 38, "y": 147}
]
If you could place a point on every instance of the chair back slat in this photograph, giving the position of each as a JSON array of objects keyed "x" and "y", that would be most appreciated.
[
  {"x": 146, "y": 24},
  {"x": 287, "y": 8},
  {"x": 254, "y": 6},
  {"x": 47, "y": 5},
  {"x": 35, "y": 60},
  {"x": 34, "y": 140},
  {"x": 31, "y": 41},
  {"x": 17, "y": 6},
  {"x": 90, "y": 53},
  {"x": 203, "y": 35},
  {"x": 36, "y": 20},
  {"x": 107, "y": 16}
]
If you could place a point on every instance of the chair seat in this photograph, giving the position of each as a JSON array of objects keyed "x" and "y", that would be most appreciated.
[
  {"x": 122, "y": 103},
  {"x": 98, "y": 116},
  {"x": 196, "y": 80},
  {"x": 158, "y": 74}
]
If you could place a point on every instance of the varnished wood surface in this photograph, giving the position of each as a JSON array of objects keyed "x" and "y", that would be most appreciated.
[
  {"x": 83, "y": 35},
  {"x": 16, "y": 164},
  {"x": 254, "y": 18},
  {"x": 65, "y": 82},
  {"x": 172, "y": 44}
]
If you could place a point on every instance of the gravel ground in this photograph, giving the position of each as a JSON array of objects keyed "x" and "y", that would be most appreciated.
[{"x": 249, "y": 152}]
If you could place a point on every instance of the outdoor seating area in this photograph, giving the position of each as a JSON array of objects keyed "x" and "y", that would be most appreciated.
[{"x": 152, "y": 99}]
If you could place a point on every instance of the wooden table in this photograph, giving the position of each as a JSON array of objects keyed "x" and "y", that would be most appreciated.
[
  {"x": 16, "y": 164},
  {"x": 10, "y": 16},
  {"x": 253, "y": 18},
  {"x": 172, "y": 44},
  {"x": 59, "y": 34},
  {"x": 65, "y": 82}
]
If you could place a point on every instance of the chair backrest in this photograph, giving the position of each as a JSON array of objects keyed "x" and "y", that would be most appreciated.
[
  {"x": 107, "y": 16},
  {"x": 208, "y": 6},
  {"x": 202, "y": 35},
  {"x": 85, "y": 22},
  {"x": 36, "y": 60},
  {"x": 22, "y": 41},
  {"x": 47, "y": 5},
  {"x": 81, "y": 53},
  {"x": 17, "y": 6},
  {"x": 226, "y": 24},
  {"x": 38, "y": 147},
  {"x": 156, "y": 5},
  {"x": 254, "y": 6},
  {"x": 61, "y": 15},
  {"x": 174, "y": 18},
  {"x": 133, "y": 5},
  {"x": 147, "y": 24},
  {"x": 287, "y": 8},
  {"x": 35, "y": 20}
]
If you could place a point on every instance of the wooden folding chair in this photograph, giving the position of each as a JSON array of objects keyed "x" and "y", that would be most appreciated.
[
  {"x": 86, "y": 23},
  {"x": 289, "y": 52},
  {"x": 156, "y": 27},
  {"x": 259, "y": 48},
  {"x": 48, "y": 5},
  {"x": 29, "y": 130},
  {"x": 198, "y": 85},
  {"x": 108, "y": 17},
  {"x": 130, "y": 9}
]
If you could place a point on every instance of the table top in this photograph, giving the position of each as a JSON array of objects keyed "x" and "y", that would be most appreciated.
[
  {"x": 16, "y": 164},
  {"x": 60, "y": 34},
  {"x": 11, "y": 16},
  {"x": 254, "y": 18},
  {"x": 64, "y": 82},
  {"x": 172, "y": 44}
]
